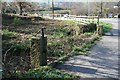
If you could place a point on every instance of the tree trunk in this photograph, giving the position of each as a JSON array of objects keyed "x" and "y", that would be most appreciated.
[
  {"x": 101, "y": 9},
  {"x": 52, "y": 9}
]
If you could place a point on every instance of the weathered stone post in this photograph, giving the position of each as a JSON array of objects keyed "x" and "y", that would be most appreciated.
[
  {"x": 38, "y": 51},
  {"x": 100, "y": 30}
]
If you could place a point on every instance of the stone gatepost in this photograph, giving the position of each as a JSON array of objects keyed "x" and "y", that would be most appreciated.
[
  {"x": 38, "y": 51},
  {"x": 100, "y": 30}
]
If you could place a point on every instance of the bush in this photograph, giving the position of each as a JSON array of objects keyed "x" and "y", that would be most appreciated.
[{"x": 106, "y": 27}]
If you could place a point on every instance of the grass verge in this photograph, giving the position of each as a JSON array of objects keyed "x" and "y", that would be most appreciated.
[{"x": 45, "y": 73}]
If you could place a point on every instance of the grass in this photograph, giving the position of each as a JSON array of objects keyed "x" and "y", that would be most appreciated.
[
  {"x": 8, "y": 33},
  {"x": 22, "y": 46},
  {"x": 70, "y": 22},
  {"x": 45, "y": 73},
  {"x": 106, "y": 27},
  {"x": 77, "y": 50},
  {"x": 74, "y": 49},
  {"x": 55, "y": 44},
  {"x": 83, "y": 49},
  {"x": 60, "y": 32},
  {"x": 54, "y": 49}
]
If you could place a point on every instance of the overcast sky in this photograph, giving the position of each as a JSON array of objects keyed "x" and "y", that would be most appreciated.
[{"x": 63, "y": 0}]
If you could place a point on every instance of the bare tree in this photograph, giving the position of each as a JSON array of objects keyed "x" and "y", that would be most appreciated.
[
  {"x": 18, "y": 7},
  {"x": 25, "y": 6}
]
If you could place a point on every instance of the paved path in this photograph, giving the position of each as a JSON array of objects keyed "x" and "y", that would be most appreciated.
[{"x": 103, "y": 60}]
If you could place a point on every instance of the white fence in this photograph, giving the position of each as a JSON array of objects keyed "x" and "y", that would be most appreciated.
[{"x": 66, "y": 16}]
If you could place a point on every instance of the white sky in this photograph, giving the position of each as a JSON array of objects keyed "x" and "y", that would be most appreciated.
[{"x": 62, "y": 0}]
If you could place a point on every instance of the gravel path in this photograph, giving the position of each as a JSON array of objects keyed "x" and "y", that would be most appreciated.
[{"x": 103, "y": 60}]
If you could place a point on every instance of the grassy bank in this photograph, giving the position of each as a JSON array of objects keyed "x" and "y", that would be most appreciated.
[{"x": 64, "y": 41}]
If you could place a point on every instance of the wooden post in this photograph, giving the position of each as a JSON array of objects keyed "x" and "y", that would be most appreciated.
[
  {"x": 98, "y": 19},
  {"x": 100, "y": 30},
  {"x": 38, "y": 51},
  {"x": 43, "y": 49}
]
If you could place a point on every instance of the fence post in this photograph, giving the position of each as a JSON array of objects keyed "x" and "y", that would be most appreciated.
[
  {"x": 43, "y": 49},
  {"x": 38, "y": 51},
  {"x": 98, "y": 19},
  {"x": 100, "y": 30}
]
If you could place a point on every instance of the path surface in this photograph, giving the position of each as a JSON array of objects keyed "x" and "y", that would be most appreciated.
[{"x": 103, "y": 60}]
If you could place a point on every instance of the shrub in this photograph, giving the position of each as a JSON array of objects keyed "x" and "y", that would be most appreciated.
[{"x": 106, "y": 27}]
